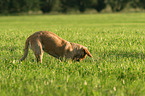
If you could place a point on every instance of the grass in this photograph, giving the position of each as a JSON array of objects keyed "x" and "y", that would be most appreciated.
[{"x": 116, "y": 42}]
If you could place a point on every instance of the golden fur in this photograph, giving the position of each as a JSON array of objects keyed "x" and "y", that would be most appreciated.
[{"x": 44, "y": 41}]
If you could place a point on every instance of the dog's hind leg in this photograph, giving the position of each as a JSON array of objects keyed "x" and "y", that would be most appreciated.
[{"x": 36, "y": 46}]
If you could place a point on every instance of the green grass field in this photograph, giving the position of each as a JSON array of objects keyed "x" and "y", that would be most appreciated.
[{"x": 116, "y": 41}]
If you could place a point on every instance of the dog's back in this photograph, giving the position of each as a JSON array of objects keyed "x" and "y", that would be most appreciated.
[{"x": 53, "y": 44}]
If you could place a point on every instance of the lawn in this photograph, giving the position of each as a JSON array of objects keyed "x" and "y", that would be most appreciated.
[{"x": 116, "y": 41}]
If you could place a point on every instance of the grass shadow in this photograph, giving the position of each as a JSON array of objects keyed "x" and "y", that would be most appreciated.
[{"x": 118, "y": 55}]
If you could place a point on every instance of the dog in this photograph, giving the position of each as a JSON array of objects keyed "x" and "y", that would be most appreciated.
[{"x": 45, "y": 41}]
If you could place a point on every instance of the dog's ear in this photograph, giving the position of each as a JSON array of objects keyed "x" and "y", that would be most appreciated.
[{"x": 87, "y": 52}]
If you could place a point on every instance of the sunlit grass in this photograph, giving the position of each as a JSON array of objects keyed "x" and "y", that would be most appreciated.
[{"x": 116, "y": 42}]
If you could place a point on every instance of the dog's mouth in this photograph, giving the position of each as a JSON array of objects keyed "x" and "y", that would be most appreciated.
[
  {"x": 79, "y": 57},
  {"x": 78, "y": 60}
]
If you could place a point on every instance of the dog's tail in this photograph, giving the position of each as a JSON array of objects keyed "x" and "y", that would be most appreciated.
[{"x": 26, "y": 50}]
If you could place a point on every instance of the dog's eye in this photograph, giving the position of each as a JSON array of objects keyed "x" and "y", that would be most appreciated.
[{"x": 82, "y": 55}]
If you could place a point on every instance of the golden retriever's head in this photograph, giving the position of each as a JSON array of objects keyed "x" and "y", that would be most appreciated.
[{"x": 81, "y": 54}]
